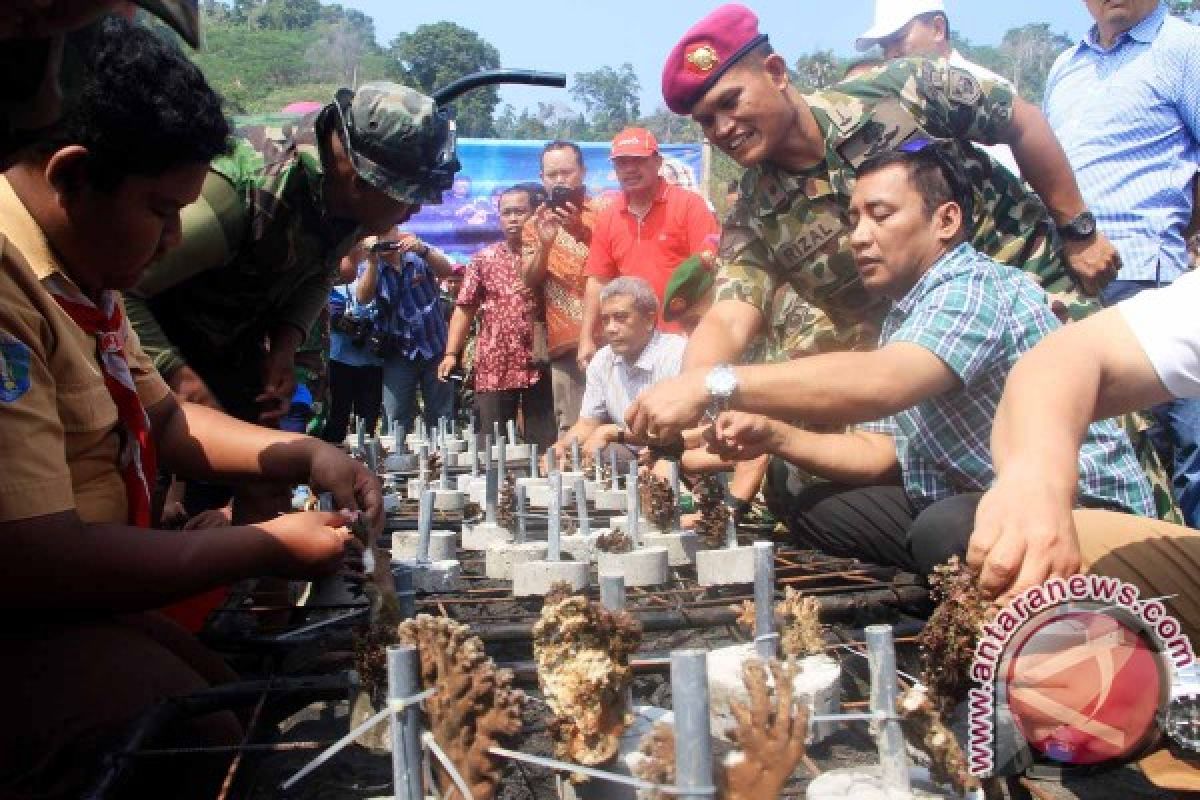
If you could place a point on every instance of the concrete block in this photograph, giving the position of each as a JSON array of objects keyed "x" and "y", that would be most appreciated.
[
  {"x": 500, "y": 559},
  {"x": 621, "y": 523},
  {"x": 482, "y": 536},
  {"x": 579, "y": 547},
  {"x": 443, "y": 545},
  {"x": 866, "y": 783},
  {"x": 609, "y": 500},
  {"x": 434, "y": 577},
  {"x": 464, "y": 483},
  {"x": 644, "y": 718},
  {"x": 818, "y": 682},
  {"x": 401, "y": 462},
  {"x": 392, "y": 503},
  {"x": 725, "y": 567},
  {"x": 534, "y": 578},
  {"x": 454, "y": 447},
  {"x": 681, "y": 546},
  {"x": 449, "y": 500},
  {"x": 388, "y": 442},
  {"x": 539, "y": 496},
  {"x": 416, "y": 486},
  {"x": 512, "y": 452},
  {"x": 646, "y": 566}
]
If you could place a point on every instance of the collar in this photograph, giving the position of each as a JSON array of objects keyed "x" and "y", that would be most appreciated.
[
  {"x": 645, "y": 361},
  {"x": 949, "y": 266},
  {"x": 26, "y": 236},
  {"x": 659, "y": 197},
  {"x": 1144, "y": 32}
]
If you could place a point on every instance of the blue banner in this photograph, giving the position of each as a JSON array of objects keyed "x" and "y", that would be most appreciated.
[{"x": 467, "y": 218}]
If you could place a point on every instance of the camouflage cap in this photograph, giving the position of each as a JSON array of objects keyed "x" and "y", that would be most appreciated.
[
  {"x": 401, "y": 144},
  {"x": 689, "y": 283}
]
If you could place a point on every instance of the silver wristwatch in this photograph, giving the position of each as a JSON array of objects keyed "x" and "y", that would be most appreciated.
[{"x": 721, "y": 383}]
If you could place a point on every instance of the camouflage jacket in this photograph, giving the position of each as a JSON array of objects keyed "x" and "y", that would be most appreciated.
[
  {"x": 258, "y": 252},
  {"x": 793, "y": 228}
]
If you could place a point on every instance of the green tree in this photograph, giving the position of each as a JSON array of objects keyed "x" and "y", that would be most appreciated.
[
  {"x": 670, "y": 127},
  {"x": 434, "y": 55},
  {"x": 1184, "y": 8},
  {"x": 1030, "y": 51},
  {"x": 609, "y": 97},
  {"x": 289, "y": 15},
  {"x": 818, "y": 70}
]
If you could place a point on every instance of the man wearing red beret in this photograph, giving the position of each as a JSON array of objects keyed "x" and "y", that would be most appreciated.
[{"x": 801, "y": 153}]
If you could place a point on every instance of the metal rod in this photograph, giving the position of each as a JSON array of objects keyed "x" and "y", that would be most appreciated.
[
  {"x": 371, "y": 454},
  {"x": 693, "y": 737},
  {"x": 522, "y": 514},
  {"x": 554, "y": 525},
  {"x": 612, "y": 467},
  {"x": 406, "y": 595},
  {"x": 881, "y": 657},
  {"x": 491, "y": 492},
  {"x": 533, "y": 460},
  {"x": 673, "y": 473},
  {"x": 473, "y": 452},
  {"x": 404, "y": 671},
  {"x": 423, "y": 461},
  {"x": 576, "y": 459},
  {"x": 764, "y": 599},
  {"x": 730, "y": 522},
  {"x": 424, "y": 524},
  {"x": 490, "y": 77},
  {"x": 361, "y": 433},
  {"x": 552, "y": 460},
  {"x": 495, "y": 431},
  {"x": 581, "y": 506},
  {"x": 511, "y": 427},
  {"x": 401, "y": 438},
  {"x": 501, "y": 461},
  {"x": 598, "y": 464},
  {"x": 634, "y": 513},
  {"x": 612, "y": 592},
  {"x": 445, "y": 471}
]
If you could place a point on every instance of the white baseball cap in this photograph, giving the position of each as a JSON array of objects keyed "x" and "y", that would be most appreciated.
[{"x": 892, "y": 15}]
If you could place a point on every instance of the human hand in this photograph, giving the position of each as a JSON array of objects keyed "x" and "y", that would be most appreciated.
[
  {"x": 351, "y": 483},
  {"x": 309, "y": 544},
  {"x": 189, "y": 386},
  {"x": 666, "y": 409},
  {"x": 279, "y": 384},
  {"x": 1024, "y": 534},
  {"x": 1094, "y": 261},
  {"x": 547, "y": 222},
  {"x": 739, "y": 436},
  {"x": 449, "y": 363}
]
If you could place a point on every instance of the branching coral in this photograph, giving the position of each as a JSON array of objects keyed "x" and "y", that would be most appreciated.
[
  {"x": 582, "y": 652},
  {"x": 800, "y": 635},
  {"x": 948, "y": 640},
  {"x": 506, "y": 505},
  {"x": 923, "y": 727},
  {"x": 657, "y": 501},
  {"x": 475, "y": 707},
  {"x": 714, "y": 514},
  {"x": 616, "y": 541}
]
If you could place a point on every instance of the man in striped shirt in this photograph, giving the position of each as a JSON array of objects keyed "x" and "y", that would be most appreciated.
[
  {"x": 1125, "y": 103},
  {"x": 637, "y": 356}
]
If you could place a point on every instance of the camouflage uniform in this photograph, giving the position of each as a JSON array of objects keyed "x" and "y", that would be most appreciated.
[{"x": 793, "y": 228}]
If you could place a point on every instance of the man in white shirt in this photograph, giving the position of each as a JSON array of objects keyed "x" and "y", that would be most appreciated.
[
  {"x": 920, "y": 28},
  {"x": 1143, "y": 351},
  {"x": 636, "y": 357}
]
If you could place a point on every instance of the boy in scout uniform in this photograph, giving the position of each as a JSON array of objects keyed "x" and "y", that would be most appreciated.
[
  {"x": 85, "y": 419},
  {"x": 801, "y": 153}
]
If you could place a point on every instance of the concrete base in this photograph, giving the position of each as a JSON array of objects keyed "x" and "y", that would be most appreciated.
[
  {"x": 401, "y": 462},
  {"x": 725, "y": 567},
  {"x": 449, "y": 500},
  {"x": 415, "y": 486},
  {"x": 392, "y": 503},
  {"x": 866, "y": 783},
  {"x": 539, "y": 496},
  {"x": 454, "y": 446},
  {"x": 609, "y": 500},
  {"x": 580, "y": 548},
  {"x": 534, "y": 578},
  {"x": 512, "y": 452},
  {"x": 681, "y": 546},
  {"x": 443, "y": 545},
  {"x": 501, "y": 559},
  {"x": 646, "y": 566},
  {"x": 818, "y": 682},
  {"x": 435, "y": 577},
  {"x": 644, "y": 720},
  {"x": 483, "y": 536},
  {"x": 621, "y": 523},
  {"x": 464, "y": 483}
]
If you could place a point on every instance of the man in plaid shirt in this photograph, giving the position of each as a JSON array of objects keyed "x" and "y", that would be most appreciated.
[{"x": 903, "y": 490}]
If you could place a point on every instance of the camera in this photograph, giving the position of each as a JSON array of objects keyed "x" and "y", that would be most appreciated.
[
  {"x": 561, "y": 195},
  {"x": 385, "y": 247},
  {"x": 357, "y": 328}
]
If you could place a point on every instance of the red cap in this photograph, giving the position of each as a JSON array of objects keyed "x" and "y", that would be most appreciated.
[
  {"x": 711, "y": 46},
  {"x": 634, "y": 142}
]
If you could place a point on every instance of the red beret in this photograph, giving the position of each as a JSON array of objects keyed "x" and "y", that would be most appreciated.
[{"x": 711, "y": 46}]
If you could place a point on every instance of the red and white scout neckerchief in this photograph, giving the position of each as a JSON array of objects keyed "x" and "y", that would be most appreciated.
[{"x": 106, "y": 322}]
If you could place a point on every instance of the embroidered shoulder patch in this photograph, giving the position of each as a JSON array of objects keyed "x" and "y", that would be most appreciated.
[{"x": 14, "y": 369}]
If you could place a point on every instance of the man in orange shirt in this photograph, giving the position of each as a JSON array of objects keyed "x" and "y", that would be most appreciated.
[
  {"x": 554, "y": 251},
  {"x": 645, "y": 232}
]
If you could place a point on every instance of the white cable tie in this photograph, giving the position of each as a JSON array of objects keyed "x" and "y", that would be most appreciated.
[
  {"x": 432, "y": 746},
  {"x": 392, "y": 707}
]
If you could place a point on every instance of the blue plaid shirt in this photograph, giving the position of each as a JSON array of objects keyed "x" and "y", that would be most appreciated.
[
  {"x": 410, "y": 309},
  {"x": 1129, "y": 120},
  {"x": 978, "y": 317}
]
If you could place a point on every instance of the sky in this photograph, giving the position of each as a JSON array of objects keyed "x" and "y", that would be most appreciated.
[{"x": 575, "y": 37}]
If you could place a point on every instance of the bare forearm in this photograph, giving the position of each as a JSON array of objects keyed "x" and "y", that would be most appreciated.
[
  {"x": 723, "y": 334},
  {"x": 854, "y": 458},
  {"x": 441, "y": 263},
  {"x": 1043, "y": 163},
  {"x": 460, "y": 324},
  {"x": 533, "y": 266},
  {"x": 198, "y": 442},
  {"x": 583, "y": 428},
  {"x": 368, "y": 282},
  {"x": 119, "y": 568}
]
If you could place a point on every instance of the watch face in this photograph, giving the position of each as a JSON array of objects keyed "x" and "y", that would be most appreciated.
[{"x": 721, "y": 381}]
